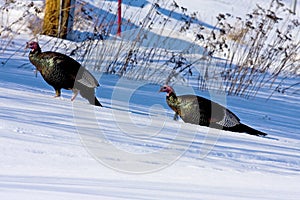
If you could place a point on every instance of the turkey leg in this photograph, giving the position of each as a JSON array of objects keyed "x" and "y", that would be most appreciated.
[
  {"x": 57, "y": 93},
  {"x": 75, "y": 93}
]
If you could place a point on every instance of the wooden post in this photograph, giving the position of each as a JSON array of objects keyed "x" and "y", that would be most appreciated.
[
  {"x": 58, "y": 20},
  {"x": 119, "y": 17},
  {"x": 51, "y": 18}
]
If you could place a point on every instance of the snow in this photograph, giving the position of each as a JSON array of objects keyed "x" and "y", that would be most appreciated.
[{"x": 52, "y": 148}]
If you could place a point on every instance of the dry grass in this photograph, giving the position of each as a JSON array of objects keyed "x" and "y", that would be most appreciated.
[
  {"x": 240, "y": 55},
  {"x": 260, "y": 49}
]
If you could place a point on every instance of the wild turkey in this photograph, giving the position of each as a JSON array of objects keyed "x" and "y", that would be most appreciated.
[
  {"x": 61, "y": 71},
  {"x": 198, "y": 110}
]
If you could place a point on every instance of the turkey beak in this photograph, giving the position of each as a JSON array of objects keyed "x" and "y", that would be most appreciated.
[
  {"x": 161, "y": 89},
  {"x": 27, "y": 45}
]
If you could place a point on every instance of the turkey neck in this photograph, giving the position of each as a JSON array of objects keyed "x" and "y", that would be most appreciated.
[
  {"x": 173, "y": 102},
  {"x": 36, "y": 59}
]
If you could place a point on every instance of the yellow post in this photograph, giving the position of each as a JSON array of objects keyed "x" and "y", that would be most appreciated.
[{"x": 51, "y": 18}]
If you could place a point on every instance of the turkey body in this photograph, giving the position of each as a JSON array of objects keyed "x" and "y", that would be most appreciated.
[
  {"x": 63, "y": 72},
  {"x": 198, "y": 110}
]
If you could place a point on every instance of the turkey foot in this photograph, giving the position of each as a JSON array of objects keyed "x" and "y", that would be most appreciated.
[{"x": 57, "y": 93}]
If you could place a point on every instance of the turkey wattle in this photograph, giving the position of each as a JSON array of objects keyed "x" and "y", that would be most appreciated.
[
  {"x": 63, "y": 72},
  {"x": 198, "y": 110}
]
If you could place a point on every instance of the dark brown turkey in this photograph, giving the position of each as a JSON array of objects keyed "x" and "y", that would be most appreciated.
[
  {"x": 198, "y": 110},
  {"x": 63, "y": 72}
]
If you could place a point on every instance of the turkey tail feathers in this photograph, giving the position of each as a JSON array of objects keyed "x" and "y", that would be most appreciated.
[
  {"x": 97, "y": 103},
  {"x": 249, "y": 130},
  {"x": 89, "y": 94},
  {"x": 94, "y": 101},
  {"x": 86, "y": 83}
]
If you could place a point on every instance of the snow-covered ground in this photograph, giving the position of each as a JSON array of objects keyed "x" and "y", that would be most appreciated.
[{"x": 52, "y": 148}]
